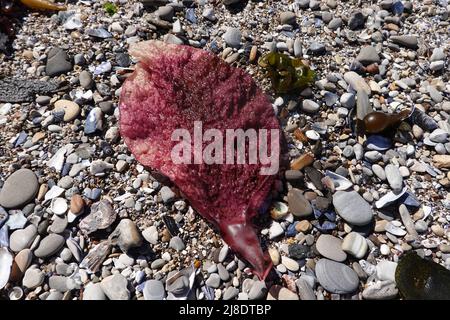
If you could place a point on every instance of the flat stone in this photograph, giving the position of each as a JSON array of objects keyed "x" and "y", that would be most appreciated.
[
  {"x": 22, "y": 239},
  {"x": 348, "y": 100},
  {"x": 70, "y": 108},
  {"x": 115, "y": 287},
  {"x": 304, "y": 290},
  {"x": 102, "y": 215},
  {"x": 407, "y": 220},
  {"x": 299, "y": 206},
  {"x": 437, "y": 55},
  {"x": 22, "y": 261},
  {"x": 50, "y": 245},
  {"x": 437, "y": 65},
  {"x": 335, "y": 23},
  {"x": 177, "y": 243},
  {"x": 298, "y": 49},
  {"x": 165, "y": 13},
  {"x": 336, "y": 277},
  {"x": 405, "y": 41},
  {"x": 93, "y": 291},
  {"x": 178, "y": 287},
  {"x": 355, "y": 244},
  {"x": 213, "y": 281},
  {"x": 33, "y": 278},
  {"x": 154, "y": 290},
  {"x": 352, "y": 208},
  {"x": 368, "y": 55},
  {"x": 150, "y": 234},
  {"x": 394, "y": 177},
  {"x": 277, "y": 292},
  {"x": 58, "y": 62},
  {"x": 317, "y": 48},
  {"x": 330, "y": 247},
  {"x": 232, "y": 37},
  {"x": 356, "y": 82},
  {"x": 379, "y": 171},
  {"x": 19, "y": 189},
  {"x": 310, "y": 106},
  {"x": 290, "y": 264},
  {"x": 395, "y": 230},
  {"x": 287, "y": 17},
  {"x": 439, "y": 136}
]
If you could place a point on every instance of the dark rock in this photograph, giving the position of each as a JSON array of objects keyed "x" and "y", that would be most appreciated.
[
  {"x": 58, "y": 62},
  {"x": 420, "y": 279},
  {"x": 356, "y": 21},
  {"x": 15, "y": 90}
]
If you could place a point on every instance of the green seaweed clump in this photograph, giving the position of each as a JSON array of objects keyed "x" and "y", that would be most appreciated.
[
  {"x": 287, "y": 74},
  {"x": 110, "y": 8},
  {"x": 420, "y": 279}
]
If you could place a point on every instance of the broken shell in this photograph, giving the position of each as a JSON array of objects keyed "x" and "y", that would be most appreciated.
[
  {"x": 340, "y": 183},
  {"x": 279, "y": 210},
  {"x": 54, "y": 192},
  {"x": 389, "y": 198},
  {"x": 59, "y": 206},
  {"x": 393, "y": 229},
  {"x": 101, "y": 217},
  {"x": 312, "y": 135},
  {"x": 6, "y": 260},
  {"x": 16, "y": 293}
]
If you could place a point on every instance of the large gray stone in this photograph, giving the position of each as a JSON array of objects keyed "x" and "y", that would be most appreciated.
[
  {"x": 352, "y": 207},
  {"x": 19, "y": 189},
  {"x": 336, "y": 277}
]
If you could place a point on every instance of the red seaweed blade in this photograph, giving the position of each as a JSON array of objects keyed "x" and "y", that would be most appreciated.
[{"x": 172, "y": 87}]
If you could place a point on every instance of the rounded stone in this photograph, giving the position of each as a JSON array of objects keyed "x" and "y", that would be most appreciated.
[
  {"x": 19, "y": 189},
  {"x": 70, "y": 108},
  {"x": 336, "y": 277},
  {"x": 93, "y": 291},
  {"x": 49, "y": 245},
  {"x": 33, "y": 278},
  {"x": 232, "y": 37},
  {"x": 299, "y": 206},
  {"x": 352, "y": 208},
  {"x": 213, "y": 281},
  {"x": 154, "y": 290},
  {"x": 330, "y": 247},
  {"x": 290, "y": 264},
  {"x": 115, "y": 287},
  {"x": 355, "y": 244},
  {"x": 21, "y": 239}
]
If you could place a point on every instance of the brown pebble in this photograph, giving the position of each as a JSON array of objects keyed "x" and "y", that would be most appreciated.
[
  {"x": 42, "y": 191},
  {"x": 38, "y": 136},
  {"x": 165, "y": 235},
  {"x": 302, "y": 161},
  {"x": 372, "y": 69},
  {"x": 253, "y": 53},
  {"x": 303, "y": 226},
  {"x": 76, "y": 204},
  {"x": 380, "y": 226}
]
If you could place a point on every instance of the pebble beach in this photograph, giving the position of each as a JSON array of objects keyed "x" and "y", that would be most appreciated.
[{"x": 81, "y": 219}]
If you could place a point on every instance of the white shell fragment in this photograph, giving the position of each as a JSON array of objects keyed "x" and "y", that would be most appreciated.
[
  {"x": 59, "y": 206},
  {"x": 340, "y": 183},
  {"x": 6, "y": 260}
]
